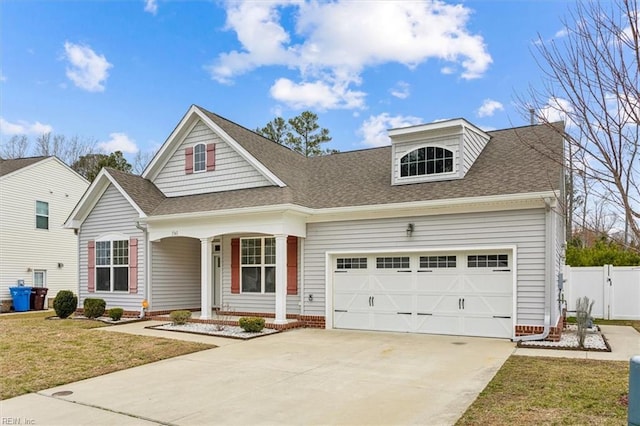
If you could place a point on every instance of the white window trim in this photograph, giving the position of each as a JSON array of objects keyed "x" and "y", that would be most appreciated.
[
  {"x": 204, "y": 169},
  {"x": 453, "y": 172},
  {"x": 42, "y": 215},
  {"x": 44, "y": 277},
  {"x": 111, "y": 238},
  {"x": 262, "y": 266}
]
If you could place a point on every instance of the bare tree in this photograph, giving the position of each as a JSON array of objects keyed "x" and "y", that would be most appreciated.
[
  {"x": 141, "y": 160},
  {"x": 16, "y": 147},
  {"x": 592, "y": 82},
  {"x": 66, "y": 149}
]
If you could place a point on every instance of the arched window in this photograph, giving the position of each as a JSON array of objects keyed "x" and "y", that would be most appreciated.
[
  {"x": 200, "y": 158},
  {"x": 426, "y": 161}
]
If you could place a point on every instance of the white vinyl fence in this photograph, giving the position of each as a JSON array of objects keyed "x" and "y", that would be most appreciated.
[{"x": 615, "y": 290}]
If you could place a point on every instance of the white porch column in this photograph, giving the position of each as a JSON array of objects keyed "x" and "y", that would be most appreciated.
[
  {"x": 205, "y": 278},
  {"x": 281, "y": 279}
]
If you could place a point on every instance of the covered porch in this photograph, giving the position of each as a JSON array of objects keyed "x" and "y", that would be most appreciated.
[{"x": 209, "y": 268}]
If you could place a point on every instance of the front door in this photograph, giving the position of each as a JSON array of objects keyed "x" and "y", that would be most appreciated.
[{"x": 216, "y": 281}]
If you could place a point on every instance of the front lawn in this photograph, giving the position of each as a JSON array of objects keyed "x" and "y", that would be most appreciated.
[
  {"x": 544, "y": 391},
  {"x": 37, "y": 354}
]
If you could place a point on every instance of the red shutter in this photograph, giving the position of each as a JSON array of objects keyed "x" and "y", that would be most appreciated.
[
  {"x": 211, "y": 157},
  {"x": 188, "y": 160},
  {"x": 133, "y": 265},
  {"x": 292, "y": 265},
  {"x": 235, "y": 265},
  {"x": 91, "y": 266}
]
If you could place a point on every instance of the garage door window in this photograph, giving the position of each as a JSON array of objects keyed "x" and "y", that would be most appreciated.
[
  {"x": 437, "y": 262},
  {"x": 351, "y": 263},
  {"x": 488, "y": 261},
  {"x": 392, "y": 262},
  {"x": 258, "y": 261}
]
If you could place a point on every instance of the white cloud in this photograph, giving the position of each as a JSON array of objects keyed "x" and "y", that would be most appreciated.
[
  {"x": 489, "y": 107},
  {"x": 119, "y": 142},
  {"x": 86, "y": 69},
  {"x": 318, "y": 95},
  {"x": 557, "y": 109},
  {"x": 561, "y": 33},
  {"x": 3, "y": 77},
  {"x": 332, "y": 47},
  {"x": 23, "y": 128},
  {"x": 151, "y": 6},
  {"x": 374, "y": 129},
  {"x": 401, "y": 90}
]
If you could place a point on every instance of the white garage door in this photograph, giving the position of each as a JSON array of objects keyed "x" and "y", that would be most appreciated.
[{"x": 468, "y": 293}]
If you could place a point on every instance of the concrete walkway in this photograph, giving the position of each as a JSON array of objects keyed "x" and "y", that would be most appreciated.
[{"x": 303, "y": 376}]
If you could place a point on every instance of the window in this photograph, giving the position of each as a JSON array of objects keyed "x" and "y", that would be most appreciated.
[
  {"x": 39, "y": 278},
  {"x": 488, "y": 261},
  {"x": 200, "y": 158},
  {"x": 437, "y": 261},
  {"x": 112, "y": 265},
  {"x": 351, "y": 263},
  {"x": 426, "y": 161},
  {"x": 258, "y": 265},
  {"x": 392, "y": 262},
  {"x": 42, "y": 215}
]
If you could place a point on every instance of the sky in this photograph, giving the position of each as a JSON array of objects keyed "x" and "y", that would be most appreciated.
[{"x": 123, "y": 73}]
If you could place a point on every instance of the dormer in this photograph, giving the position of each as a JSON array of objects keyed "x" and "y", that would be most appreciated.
[{"x": 443, "y": 150}]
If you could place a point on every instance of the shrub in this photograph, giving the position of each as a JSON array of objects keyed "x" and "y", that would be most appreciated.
[
  {"x": 251, "y": 324},
  {"x": 65, "y": 303},
  {"x": 94, "y": 308},
  {"x": 583, "y": 317},
  {"x": 116, "y": 313},
  {"x": 180, "y": 317}
]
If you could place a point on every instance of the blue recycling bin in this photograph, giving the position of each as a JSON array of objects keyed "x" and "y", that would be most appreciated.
[{"x": 21, "y": 296}]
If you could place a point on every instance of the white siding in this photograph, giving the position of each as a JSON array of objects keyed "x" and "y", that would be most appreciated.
[
  {"x": 524, "y": 228},
  {"x": 112, "y": 215},
  {"x": 175, "y": 284},
  {"x": 24, "y": 247},
  {"x": 251, "y": 302},
  {"x": 473, "y": 144},
  {"x": 231, "y": 170}
]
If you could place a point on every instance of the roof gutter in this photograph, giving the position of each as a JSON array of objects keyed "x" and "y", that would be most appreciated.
[{"x": 548, "y": 261}]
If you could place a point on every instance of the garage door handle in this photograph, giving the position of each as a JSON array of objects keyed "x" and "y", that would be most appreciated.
[
  {"x": 339, "y": 310},
  {"x": 463, "y": 303},
  {"x": 423, "y": 313},
  {"x": 459, "y": 303},
  {"x": 502, "y": 270},
  {"x": 425, "y": 270},
  {"x": 404, "y": 313},
  {"x": 498, "y": 316},
  {"x": 405, "y": 271},
  {"x": 341, "y": 272}
]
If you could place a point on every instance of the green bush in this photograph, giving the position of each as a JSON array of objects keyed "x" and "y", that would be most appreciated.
[
  {"x": 94, "y": 308},
  {"x": 65, "y": 303},
  {"x": 180, "y": 317},
  {"x": 251, "y": 324},
  {"x": 116, "y": 313}
]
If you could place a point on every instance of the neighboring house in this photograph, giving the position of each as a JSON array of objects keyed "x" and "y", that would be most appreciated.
[
  {"x": 36, "y": 197},
  {"x": 450, "y": 230}
]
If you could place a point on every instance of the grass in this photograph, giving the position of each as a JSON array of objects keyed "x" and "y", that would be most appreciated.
[
  {"x": 631, "y": 323},
  {"x": 38, "y": 354},
  {"x": 553, "y": 391}
]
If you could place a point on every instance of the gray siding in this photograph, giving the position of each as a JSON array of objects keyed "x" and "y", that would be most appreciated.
[
  {"x": 175, "y": 284},
  {"x": 112, "y": 215},
  {"x": 473, "y": 144},
  {"x": 231, "y": 171},
  {"x": 251, "y": 302},
  {"x": 524, "y": 228}
]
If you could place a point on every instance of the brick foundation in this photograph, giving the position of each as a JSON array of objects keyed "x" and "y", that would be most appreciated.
[{"x": 554, "y": 332}]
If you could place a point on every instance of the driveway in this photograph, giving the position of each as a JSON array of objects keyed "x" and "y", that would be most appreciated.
[{"x": 304, "y": 376}]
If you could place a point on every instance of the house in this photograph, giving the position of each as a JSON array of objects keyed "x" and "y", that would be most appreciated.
[
  {"x": 37, "y": 195},
  {"x": 450, "y": 230}
]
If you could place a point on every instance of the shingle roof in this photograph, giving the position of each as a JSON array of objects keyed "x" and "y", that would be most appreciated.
[
  {"x": 11, "y": 165},
  {"x": 518, "y": 160}
]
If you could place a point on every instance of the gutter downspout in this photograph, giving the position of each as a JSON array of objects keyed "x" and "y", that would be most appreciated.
[
  {"x": 146, "y": 265},
  {"x": 548, "y": 261}
]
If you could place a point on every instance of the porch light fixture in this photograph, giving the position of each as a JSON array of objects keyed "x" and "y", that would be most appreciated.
[{"x": 409, "y": 229}]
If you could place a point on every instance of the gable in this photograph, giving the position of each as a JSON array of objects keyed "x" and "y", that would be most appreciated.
[{"x": 224, "y": 168}]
